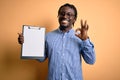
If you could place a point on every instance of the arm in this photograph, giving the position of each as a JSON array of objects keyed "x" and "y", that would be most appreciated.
[{"x": 87, "y": 51}]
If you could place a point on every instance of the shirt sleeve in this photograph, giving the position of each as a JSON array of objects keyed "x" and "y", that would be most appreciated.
[
  {"x": 88, "y": 51},
  {"x": 42, "y": 59},
  {"x": 45, "y": 54}
]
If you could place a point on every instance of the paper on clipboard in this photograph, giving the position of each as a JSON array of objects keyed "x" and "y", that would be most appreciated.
[{"x": 34, "y": 42}]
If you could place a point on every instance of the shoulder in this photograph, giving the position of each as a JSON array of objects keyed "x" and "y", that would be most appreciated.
[{"x": 52, "y": 34}]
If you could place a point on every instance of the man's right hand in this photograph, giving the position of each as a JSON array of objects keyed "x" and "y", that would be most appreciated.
[{"x": 20, "y": 38}]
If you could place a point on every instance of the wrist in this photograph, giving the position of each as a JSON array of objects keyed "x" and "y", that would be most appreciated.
[{"x": 85, "y": 38}]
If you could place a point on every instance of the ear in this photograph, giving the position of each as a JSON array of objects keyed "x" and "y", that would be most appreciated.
[{"x": 74, "y": 20}]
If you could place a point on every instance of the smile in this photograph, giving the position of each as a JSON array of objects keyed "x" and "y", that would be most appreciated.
[{"x": 64, "y": 21}]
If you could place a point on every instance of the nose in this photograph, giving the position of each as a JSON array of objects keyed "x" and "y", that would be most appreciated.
[{"x": 65, "y": 16}]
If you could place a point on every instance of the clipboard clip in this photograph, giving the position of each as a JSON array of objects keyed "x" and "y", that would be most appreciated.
[{"x": 29, "y": 27}]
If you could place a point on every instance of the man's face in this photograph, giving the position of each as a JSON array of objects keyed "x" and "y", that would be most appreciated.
[{"x": 66, "y": 17}]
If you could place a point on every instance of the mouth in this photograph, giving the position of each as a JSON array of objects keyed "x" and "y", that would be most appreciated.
[{"x": 64, "y": 21}]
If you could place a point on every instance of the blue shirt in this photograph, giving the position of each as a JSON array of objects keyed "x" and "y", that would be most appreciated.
[{"x": 64, "y": 51}]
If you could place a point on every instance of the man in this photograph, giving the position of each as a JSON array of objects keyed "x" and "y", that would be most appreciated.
[{"x": 64, "y": 48}]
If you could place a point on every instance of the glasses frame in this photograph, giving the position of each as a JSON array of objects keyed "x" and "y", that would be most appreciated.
[{"x": 68, "y": 14}]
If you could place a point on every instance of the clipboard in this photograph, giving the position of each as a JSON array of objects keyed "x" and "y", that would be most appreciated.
[{"x": 34, "y": 42}]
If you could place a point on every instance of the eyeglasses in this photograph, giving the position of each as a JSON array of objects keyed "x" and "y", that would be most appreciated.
[{"x": 67, "y": 14}]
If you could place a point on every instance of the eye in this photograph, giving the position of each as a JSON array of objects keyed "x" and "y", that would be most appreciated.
[
  {"x": 62, "y": 14},
  {"x": 67, "y": 14},
  {"x": 70, "y": 14}
]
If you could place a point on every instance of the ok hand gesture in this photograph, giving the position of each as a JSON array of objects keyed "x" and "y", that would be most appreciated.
[{"x": 82, "y": 32}]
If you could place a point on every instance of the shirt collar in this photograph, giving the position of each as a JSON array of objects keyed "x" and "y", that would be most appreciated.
[{"x": 70, "y": 32}]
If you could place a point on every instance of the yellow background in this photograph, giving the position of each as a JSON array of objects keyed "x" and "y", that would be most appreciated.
[{"x": 103, "y": 17}]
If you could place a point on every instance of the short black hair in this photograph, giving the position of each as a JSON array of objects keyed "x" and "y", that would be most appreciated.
[{"x": 71, "y": 6}]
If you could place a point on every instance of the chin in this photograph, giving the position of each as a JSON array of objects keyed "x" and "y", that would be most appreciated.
[{"x": 63, "y": 27}]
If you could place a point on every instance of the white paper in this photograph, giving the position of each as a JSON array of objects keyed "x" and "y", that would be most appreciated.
[{"x": 34, "y": 42}]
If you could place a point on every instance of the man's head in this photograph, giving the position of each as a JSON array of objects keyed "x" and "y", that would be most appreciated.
[{"x": 67, "y": 15}]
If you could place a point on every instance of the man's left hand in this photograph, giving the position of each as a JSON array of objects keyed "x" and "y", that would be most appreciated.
[{"x": 82, "y": 32}]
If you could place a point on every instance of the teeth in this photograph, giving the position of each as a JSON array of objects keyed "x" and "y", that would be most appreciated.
[{"x": 64, "y": 21}]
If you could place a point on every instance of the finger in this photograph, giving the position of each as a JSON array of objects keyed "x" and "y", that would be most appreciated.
[
  {"x": 78, "y": 29},
  {"x": 78, "y": 35},
  {"x": 21, "y": 40},
  {"x": 81, "y": 23},
  {"x": 77, "y": 32},
  {"x": 20, "y": 34},
  {"x": 85, "y": 23},
  {"x": 87, "y": 27}
]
